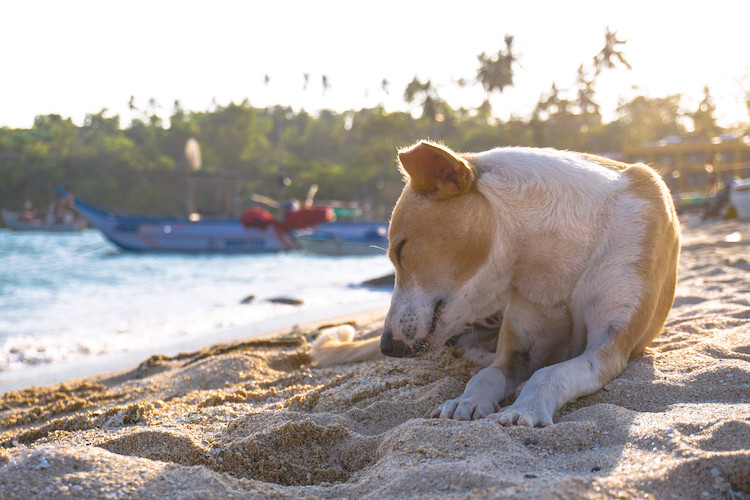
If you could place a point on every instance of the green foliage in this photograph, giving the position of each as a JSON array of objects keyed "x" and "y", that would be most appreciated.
[
  {"x": 648, "y": 119},
  {"x": 246, "y": 150},
  {"x": 704, "y": 121}
]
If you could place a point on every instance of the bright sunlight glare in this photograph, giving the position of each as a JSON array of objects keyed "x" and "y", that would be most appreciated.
[{"x": 81, "y": 56}]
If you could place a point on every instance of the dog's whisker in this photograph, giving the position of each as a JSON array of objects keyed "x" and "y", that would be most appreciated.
[{"x": 436, "y": 314}]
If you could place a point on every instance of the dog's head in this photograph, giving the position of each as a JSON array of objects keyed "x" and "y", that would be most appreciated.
[{"x": 441, "y": 235}]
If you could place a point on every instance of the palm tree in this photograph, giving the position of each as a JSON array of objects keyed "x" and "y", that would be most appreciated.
[
  {"x": 604, "y": 58},
  {"x": 552, "y": 105},
  {"x": 497, "y": 73},
  {"x": 585, "y": 99},
  {"x": 433, "y": 106}
]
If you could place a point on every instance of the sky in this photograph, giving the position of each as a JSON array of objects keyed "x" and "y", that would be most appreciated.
[{"x": 76, "y": 57}]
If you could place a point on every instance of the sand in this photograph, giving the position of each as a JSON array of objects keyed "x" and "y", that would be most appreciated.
[{"x": 254, "y": 420}]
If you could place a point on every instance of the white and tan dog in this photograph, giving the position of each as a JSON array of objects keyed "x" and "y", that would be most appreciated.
[{"x": 577, "y": 253}]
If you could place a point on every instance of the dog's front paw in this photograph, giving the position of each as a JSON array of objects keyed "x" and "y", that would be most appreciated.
[
  {"x": 466, "y": 409},
  {"x": 527, "y": 415}
]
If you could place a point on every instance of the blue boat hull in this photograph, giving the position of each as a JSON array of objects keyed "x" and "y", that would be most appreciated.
[
  {"x": 174, "y": 234},
  {"x": 345, "y": 238}
]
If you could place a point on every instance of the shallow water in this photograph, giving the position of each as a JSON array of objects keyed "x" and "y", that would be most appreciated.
[{"x": 71, "y": 296}]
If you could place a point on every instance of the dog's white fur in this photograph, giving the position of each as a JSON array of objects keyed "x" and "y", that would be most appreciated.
[{"x": 578, "y": 253}]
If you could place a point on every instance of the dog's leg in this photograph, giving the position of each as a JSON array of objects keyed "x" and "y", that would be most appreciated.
[
  {"x": 552, "y": 386},
  {"x": 621, "y": 306},
  {"x": 479, "y": 399},
  {"x": 525, "y": 331}
]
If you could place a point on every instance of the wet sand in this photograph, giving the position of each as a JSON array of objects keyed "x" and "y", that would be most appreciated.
[{"x": 254, "y": 420}]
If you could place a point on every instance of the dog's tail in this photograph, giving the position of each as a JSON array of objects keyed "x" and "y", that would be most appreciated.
[{"x": 336, "y": 345}]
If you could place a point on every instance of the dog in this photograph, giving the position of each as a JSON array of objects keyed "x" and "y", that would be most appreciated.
[{"x": 576, "y": 253}]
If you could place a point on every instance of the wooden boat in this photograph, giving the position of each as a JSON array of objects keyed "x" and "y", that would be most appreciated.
[
  {"x": 257, "y": 231},
  {"x": 345, "y": 238},
  {"x": 18, "y": 221}
]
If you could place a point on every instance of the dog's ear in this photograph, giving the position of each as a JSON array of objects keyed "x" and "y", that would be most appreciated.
[{"x": 436, "y": 171}]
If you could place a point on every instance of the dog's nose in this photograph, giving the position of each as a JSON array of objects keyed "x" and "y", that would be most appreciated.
[{"x": 394, "y": 348}]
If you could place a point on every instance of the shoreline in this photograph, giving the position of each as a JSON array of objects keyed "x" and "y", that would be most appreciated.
[{"x": 111, "y": 363}]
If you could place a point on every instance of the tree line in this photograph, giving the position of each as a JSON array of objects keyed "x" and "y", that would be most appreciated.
[{"x": 277, "y": 151}]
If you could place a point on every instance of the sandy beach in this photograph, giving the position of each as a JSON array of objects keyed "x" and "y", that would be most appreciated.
[{"x": 254, "y": 420}]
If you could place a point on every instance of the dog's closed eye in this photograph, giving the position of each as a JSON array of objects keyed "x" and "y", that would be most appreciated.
[{"x": 399, "y": 249}]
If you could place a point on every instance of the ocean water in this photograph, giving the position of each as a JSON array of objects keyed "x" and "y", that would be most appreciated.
[{"x": 70, "y": 298}]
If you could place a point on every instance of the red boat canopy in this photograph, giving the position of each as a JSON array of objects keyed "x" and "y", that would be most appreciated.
[
  {"x": 308, "y": 216},
  {"x": 293, "y": 219},
  {"x": 256, "y": 217}
]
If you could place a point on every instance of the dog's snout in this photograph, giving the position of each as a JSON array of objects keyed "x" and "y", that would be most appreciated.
[{"x": 393, "y": 347}]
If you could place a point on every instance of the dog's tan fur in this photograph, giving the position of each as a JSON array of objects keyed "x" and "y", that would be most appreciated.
[{"x": 578, "y": 254}]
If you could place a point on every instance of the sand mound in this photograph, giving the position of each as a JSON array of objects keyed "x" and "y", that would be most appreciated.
[{"x": 254, "y": 420}]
